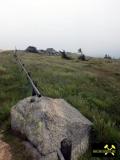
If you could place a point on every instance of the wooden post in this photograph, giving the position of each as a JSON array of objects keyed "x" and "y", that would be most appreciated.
[
  {"x": 29, "y": 73},
  {"x": 66, "y": 148},
  {"x": 33, "y": 91}
]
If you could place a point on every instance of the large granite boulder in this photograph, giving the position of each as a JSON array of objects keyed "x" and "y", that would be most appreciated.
[{"x": 45, "y": 122}]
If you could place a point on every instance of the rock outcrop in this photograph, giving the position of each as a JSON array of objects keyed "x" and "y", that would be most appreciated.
[
  {"x": 45, "y": 122},
  {"x": 31, "y": 49}
]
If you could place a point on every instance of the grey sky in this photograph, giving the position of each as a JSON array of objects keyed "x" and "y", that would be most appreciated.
[{"x": 93, "y": 25}]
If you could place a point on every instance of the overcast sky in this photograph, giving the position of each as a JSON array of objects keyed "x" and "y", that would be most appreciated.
[{"x": 93, "y": 25}]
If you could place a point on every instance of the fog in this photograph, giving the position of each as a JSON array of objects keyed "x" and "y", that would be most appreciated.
[{"x": 93, "y": 25}]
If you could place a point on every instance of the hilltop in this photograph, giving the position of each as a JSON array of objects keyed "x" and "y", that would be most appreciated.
[{"x": 93, "y": 87}]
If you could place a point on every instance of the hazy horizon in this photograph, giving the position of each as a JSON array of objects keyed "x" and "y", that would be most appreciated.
[{"x": 92, "y": 25}]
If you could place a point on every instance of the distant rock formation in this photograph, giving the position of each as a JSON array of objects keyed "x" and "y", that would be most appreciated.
[
  {"x": 51, "y": 51},
  {"x": 64, "y": 55},
  {"x": 82, "y": 57},
  {"x": 42, "y": 51},
  {"x": 31, "y": 49},
  {"x": 45, "y": 122}
]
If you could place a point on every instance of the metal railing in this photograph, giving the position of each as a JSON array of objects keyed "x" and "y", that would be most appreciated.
[
  {"x": 64, "y": 153},
  {"x": 35, "y": 89}
]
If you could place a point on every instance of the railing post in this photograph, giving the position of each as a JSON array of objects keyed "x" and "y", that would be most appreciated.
[
  {"x": 66, "y": 148},
  {"x": 33, "y": 91}
]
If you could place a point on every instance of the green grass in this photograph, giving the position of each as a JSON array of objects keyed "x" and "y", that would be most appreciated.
[
  {"x": 93, "y": 87},
  {"x": 13, "y": 87}
]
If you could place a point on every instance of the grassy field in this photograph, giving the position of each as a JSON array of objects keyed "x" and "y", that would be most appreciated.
[{"x": 93, "y": 87}]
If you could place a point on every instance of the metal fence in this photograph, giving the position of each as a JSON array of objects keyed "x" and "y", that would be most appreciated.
[{"x": 64, "y": 153}]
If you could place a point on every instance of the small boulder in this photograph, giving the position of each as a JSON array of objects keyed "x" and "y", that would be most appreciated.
[{"x": 31, "y": 49}]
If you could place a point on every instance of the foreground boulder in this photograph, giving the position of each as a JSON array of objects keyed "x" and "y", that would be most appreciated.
[{"x": 45, "y": 122}]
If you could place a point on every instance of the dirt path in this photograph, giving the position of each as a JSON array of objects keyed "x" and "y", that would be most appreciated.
[{"x": 5, "y": 151}]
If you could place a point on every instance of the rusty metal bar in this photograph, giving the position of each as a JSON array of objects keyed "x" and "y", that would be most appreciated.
[{"x": 27, "y": 74}]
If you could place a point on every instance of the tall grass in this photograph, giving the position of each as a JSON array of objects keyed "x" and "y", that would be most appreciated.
[{"x": 92, "y": 87}]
